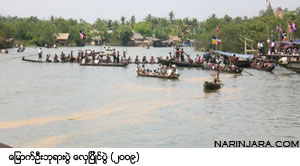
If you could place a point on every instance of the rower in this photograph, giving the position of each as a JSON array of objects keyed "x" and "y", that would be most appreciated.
[
  {"x": 234, "y": 60},
  {"x": 143, "y": 69},
  {"x": 159, "y": 68},
  {"x": 71, "y": 58},
  {"x": 197, "y": 60},
  {"x": 40, "y": 54},
  {"x": 189, "y": 59},
  {"x": 137, "y": 60},
  {"x": 181, "y": 55},
  {"x": 152, "y": 60},
  {"x": 114, "y": 55},
  {"x": 216, "y": 79},
  {"x": 207, "y": 56},
  {"x": 177, "y": 53},
  {"x": 47, "y": 58},
  {"x": 118, "y": 57},
  {"x": 62, "y": 57},
  {"x": 144, "y": 59},
  {"x": 55, "y": 59}
]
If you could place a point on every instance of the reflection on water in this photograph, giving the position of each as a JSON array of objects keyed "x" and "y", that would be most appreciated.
[{"x": 67, "y": 105}]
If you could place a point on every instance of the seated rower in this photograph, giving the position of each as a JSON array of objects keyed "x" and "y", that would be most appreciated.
[
  {"x": 152, "y": 60},
  {"x": 147, "y": 72},
  {"x": 128, "y": 60},
  {"x": 136, "y": 61},
  {"x": 198, "y": 58},
  {"x": 62, "y": 57},
  {"x": 189, "y": 59},
  {"x": 55, "y": 58},
  {"x": 48, "y": 58},
  {"x": 253, "y": 64},
  {"x": 143, "y": 69},
  {"x": 260, "y": 65},
  {"x": 144, "y": 59}
]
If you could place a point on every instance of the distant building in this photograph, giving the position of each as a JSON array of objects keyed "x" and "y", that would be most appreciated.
[
  {"x": 150, "y": 40},
  {"x": 279, "y": 12},
  {"x": 175, "y": 40},
  {"x": 269, "y": 9},
  {"x": 61, "y": 38},
  {"x": 136, "y": 40}
]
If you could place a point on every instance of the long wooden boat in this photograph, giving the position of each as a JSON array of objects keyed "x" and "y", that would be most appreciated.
[
  {"x": 236, "y": 71},
  {"x": 178, "y": 64},
  {"x": 244, "y": 63},
  {"x": 268, "y": 69},
  {"x": 35, "y": 61},
  {"x": 159, "y": 76},
  {"x": 293, "y": 66},
  {"x": 104, "y": 64},
  {"x": 144, "y": 63},
  {"x": 212, "y": 85}
]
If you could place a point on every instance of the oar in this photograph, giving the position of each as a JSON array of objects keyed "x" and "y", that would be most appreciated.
[{"x": 244, "y": 71}]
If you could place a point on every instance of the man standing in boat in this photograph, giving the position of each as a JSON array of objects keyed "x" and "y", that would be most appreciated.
[{"x": 40, "y": 54}]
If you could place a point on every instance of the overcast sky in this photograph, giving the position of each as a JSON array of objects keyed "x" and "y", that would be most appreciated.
[{"x": 90, "y": 10}]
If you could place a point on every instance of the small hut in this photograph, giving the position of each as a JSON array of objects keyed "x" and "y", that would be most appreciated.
[
  {"x": 150, "y": 40},
  {"x": 136, "y": 39},
  {"x": 61, "y": 38},
  {"x": 175, "y": 40}
]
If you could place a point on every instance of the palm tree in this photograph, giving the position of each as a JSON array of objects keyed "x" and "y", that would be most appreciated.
[
  {"x": 171, "y": 16},
  {"x": 123, "y": 20},
  {"x": 132, "y": 21}
]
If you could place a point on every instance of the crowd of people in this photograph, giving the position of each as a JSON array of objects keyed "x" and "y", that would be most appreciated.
[
  {"x": 88, "y": 56},
  {"x": 259, "y": 63},
  {"x": 276, "y": 48},
  {"x": 162, "y": 70}
]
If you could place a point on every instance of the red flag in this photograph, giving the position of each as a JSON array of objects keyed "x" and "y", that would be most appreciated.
[{"x": 218, "y": 30}]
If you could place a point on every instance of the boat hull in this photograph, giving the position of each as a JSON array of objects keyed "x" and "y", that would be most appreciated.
[
  {"x": 178, "y": 64},
  {"x": 159, "y": 76},
  {"x": 293, "y": 66},
  {"x": 211, "y": 85},
  {"x": 269, "y": 69},
  {"x": 105, "y": 64}
]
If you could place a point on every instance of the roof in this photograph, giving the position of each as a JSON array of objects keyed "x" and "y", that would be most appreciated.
[
  {"x": 279, "y": 12},
  {"x": 175, "y": 38},
  {"x": 151, "y": 38},
  {"x": 61, "y": 36},
  {"x": 137, "y": 36}
]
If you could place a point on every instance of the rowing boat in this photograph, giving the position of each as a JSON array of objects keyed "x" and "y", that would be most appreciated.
[
  {"x": 31, "y": 60},
  {"x": 177, "y": 63},
  {"x": 212, "y": 85},
  {"x": 176, "y": 76},
  {"x": 268, "y": 69},
  {"x": 236, "y": 71},
  {"x": 104, "y": 64},
  {"x": 293, "y": 66},
  {"x": 144, "y": 63}
]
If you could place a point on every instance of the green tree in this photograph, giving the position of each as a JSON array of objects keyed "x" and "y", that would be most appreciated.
[
  {"x": 124, "y": 33},
  {"x": 143, "y": 28}
]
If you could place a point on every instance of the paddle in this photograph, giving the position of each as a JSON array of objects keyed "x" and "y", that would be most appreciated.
[{"x": 244, "y": 71}]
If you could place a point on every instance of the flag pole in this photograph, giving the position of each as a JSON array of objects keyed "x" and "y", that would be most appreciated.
[{"x": 216, "y": 40}]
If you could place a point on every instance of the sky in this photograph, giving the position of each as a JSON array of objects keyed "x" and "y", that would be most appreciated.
[{"x": 90, "y": 10}]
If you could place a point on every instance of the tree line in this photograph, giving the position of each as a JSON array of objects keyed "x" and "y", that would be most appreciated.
[{"x": 34, "y": 31}]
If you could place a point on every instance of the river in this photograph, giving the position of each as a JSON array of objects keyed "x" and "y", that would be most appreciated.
[{"x": 67, "y": 105}]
